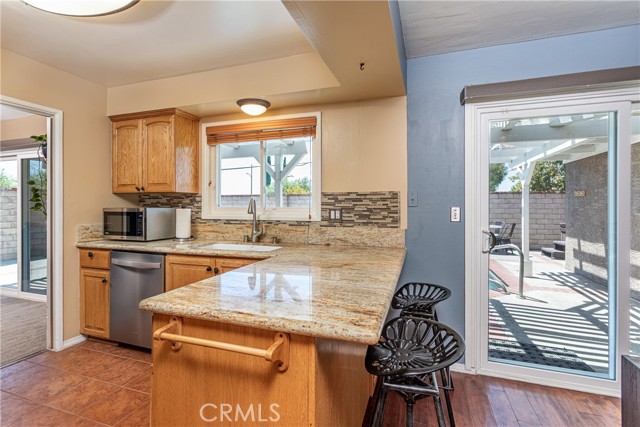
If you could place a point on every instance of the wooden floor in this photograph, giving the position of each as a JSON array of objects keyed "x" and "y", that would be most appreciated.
[
  {"x": 95, "y": 384},
  {"x": 487, "y": 401}
]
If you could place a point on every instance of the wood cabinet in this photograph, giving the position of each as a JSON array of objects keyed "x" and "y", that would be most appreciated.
[
  {"x": 181, "y": 270},
  {"x": 155, "y": 152},
  {"x": 94, "y": 293},
  {"x": 325, "y": 385}
]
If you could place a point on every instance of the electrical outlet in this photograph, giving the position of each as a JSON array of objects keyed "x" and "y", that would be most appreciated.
[
  {"x": 455, "y": 214},
  {"x": 413, "y": 200}
]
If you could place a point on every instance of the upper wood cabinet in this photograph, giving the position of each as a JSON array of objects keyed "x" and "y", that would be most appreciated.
[{"x": 155, "y": 152}]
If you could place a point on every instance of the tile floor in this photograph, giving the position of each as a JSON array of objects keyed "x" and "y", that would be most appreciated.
[{"x": 90, "y": 384}]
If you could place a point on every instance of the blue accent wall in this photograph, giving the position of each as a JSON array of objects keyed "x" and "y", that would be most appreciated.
[
  {"x": 394, "y": 8},
  {"x": 435, "y": 246}
]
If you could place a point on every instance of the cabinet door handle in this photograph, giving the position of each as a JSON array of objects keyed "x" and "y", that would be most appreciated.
[
  {"x": 216, "y": 270},
  {"x": 209, "y": 268},
  {"x": 104, "y": 280},
  {"x": 142, "y": 188},
  {"x": 137, "y": 188},
  {"x": 90, "y": 254}
]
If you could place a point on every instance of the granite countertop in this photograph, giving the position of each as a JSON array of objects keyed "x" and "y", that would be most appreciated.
[{"x": 337, "y": 292}]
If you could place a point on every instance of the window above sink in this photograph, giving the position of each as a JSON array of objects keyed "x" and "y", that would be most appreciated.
[{"x": 274, "y": 160}]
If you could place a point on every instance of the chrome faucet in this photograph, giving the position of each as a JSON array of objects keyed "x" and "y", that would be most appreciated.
[{"x": 255, "y": 234}]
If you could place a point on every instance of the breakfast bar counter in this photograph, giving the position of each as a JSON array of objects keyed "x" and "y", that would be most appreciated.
[{"x": 279, "y": 342}]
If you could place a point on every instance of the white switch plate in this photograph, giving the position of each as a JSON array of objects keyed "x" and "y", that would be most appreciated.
[{"x": 455, "y": 214}]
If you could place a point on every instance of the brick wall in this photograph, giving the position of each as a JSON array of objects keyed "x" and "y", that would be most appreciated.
[
  {"x": 9, "y": 228},
  {"x": 288, "y": 200},
  {"x": 587, "y": 239},
  {"x": 546, "y": 212},
  {"x": 8, "y": 225}
]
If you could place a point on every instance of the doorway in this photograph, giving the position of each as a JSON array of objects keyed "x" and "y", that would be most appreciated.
[
  {"x": 23, "y": 228},
  {"x": 41, "y": 267},
  {"x": 551, "y": 297}
]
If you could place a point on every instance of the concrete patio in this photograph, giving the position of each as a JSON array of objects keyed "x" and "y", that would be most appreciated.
[{"x": 563, "y": 315}]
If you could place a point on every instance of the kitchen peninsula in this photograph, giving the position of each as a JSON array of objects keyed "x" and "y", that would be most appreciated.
[{"x": 279, "y": 342}]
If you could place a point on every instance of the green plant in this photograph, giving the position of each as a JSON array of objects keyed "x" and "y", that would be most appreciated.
[
  {"x": 292, "y": 186},
  {"x": 38, "y": 181},
  {"x": 497, "y": 173},
  {"x": 7, "y": 181},
  {"x": 546, "y": 177}
]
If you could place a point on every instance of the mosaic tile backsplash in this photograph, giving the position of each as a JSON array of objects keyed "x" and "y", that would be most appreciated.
[{"x": 379, "y": 209}]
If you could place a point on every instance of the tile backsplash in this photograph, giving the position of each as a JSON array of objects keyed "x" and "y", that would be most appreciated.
[
  {"x": 368, "y": 219},
  {"x": 359, "y": 209}
]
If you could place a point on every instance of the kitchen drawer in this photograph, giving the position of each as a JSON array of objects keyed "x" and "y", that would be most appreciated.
[{"x": 94, "y": 258}]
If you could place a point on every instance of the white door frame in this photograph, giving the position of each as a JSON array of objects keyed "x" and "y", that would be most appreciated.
[
  {"x": 55, "y": 199},
  {"x": 477, "y": 118}
]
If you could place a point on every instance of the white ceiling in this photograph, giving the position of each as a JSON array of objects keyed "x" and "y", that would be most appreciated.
[
  {"x": 159, "y": 39},
  {"x": 437, "y": 27},
  {"x": 153, "y": 39}
]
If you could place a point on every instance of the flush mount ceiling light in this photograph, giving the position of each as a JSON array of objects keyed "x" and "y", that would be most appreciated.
[
  {"x": 82, "y": 7},
  {"x": 253, "y": 106}
]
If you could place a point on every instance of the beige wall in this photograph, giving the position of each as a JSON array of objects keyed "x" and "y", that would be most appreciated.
[
  {"x": 86, "y": 153},
  {"x": 22, "y": 128},
  {"x": 364, "y": 149},
  {"x": 364, "y": 145}
]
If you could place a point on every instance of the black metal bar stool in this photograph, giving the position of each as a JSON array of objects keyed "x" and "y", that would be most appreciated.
[
  {"x": 407, "y": 358},
  {"x": 418, "y": 299}
]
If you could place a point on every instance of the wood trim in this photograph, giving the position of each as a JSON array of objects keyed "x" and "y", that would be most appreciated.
[
  {"x": 565, "y": 83},
  {"x": 153, "y": 113}
]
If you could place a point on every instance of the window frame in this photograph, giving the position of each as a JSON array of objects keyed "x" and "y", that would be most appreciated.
[{"x": 211, "y": 176}]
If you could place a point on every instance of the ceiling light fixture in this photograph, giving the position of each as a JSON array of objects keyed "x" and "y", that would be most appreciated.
[
  {"x": 253, "y": 106},
  {"x": 82, "y": 7}
]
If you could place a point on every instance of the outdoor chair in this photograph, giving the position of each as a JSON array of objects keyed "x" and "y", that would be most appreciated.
[
  {"x": 504, "y": 238},
  {"x": 409, "y": 354}
]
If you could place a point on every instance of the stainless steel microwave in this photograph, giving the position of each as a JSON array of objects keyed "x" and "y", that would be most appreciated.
[{"x": 141, "y": 224}]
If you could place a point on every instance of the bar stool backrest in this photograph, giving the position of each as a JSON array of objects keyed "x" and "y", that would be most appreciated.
[{"x": 423, "y": 294}]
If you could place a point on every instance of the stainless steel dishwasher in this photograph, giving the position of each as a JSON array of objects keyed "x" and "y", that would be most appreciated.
[{"x": 134, "y": 277}]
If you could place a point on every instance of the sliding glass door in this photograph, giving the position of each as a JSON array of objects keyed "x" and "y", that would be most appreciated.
[
  {"x": 33, "y": 226},
  {"x": 549, "y": 186}
]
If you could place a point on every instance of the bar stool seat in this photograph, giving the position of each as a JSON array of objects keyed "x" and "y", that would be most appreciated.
[
  {"x": 407, "y": 358},
  {"x": 418, "y": 299}
]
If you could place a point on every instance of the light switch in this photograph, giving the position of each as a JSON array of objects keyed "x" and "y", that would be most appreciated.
[
  {"x": 455, "y": 213},
  {"x": 413, "y": 200}
]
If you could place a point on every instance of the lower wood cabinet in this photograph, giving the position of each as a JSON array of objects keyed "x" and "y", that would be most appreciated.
[
  {"x": 95, "y": 291},
  {"x": 181, "y": 270},
  {"x": 95, "y": 282},
  {"x": 94, "y": 302}
]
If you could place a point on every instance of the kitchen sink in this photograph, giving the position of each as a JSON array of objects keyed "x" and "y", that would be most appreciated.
[{"x": 239, "y": 247}]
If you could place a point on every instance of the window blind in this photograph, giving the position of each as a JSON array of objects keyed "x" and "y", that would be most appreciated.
[
  {"x": 565, "y": 83},
  {"x": 261, "y": 131}
]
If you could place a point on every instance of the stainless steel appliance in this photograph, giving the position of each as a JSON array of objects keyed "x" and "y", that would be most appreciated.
[
  {"x": 142, "y": 224},
  {"x": 134, "y": 277}
]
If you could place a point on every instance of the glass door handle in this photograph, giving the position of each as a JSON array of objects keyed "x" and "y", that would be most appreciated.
[{"x": 492, "y": 241}]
